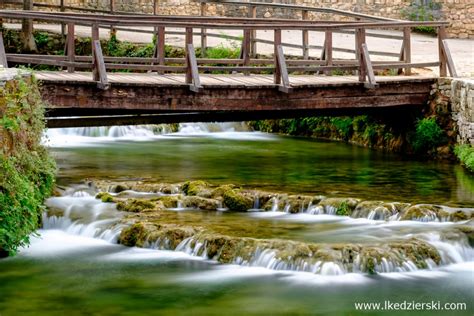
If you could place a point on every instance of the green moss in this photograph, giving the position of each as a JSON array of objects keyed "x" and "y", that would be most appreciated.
[
  {"x": 136, "y": 205},
  {"x": 236, "y": 201},
  {"x": 465, "y": 154},
  {"x": 105, "y": 197},
  {"x": 27, "y": 174},
  {"x": 133, "y": 235},
  {"x": 343, "y": 209},
  {"x": 194, "y": 187}
]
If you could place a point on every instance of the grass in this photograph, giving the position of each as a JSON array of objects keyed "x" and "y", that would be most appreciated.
[{"x": 465, "y": 154}]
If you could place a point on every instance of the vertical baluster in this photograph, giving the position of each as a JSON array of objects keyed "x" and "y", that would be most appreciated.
[
  {"x": 305, "y": 35},
  {"x": 276, "y": 42},
  {"x": 328, "y": 49},
  {"x": 95, "y": 37},
  {"x": 188, "y": 40},
  {"x": 407, "y": 49},
  {"x": 253, "y": 33},
  {"x": 360, "y": 39},
  {"x": 443, "y": 71},
  {"x": 71, "y": 47},
  {"x": 203, "y": 31}
]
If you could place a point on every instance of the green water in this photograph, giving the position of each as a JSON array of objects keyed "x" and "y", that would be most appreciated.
[
  {"x": 289, "y": 164},
  {"x": 65, "y": 274}
]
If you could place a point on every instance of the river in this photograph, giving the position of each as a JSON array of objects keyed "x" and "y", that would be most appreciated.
[{"x": 75, "y": 266}]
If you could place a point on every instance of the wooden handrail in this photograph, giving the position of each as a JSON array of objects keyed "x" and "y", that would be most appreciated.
[{"x": 449, "y": 59}]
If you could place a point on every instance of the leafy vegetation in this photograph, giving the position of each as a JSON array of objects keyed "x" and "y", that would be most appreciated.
[
  {"x": 465, "y": 153},
  {"x": 428, "y": 135},
  {"x": 27, "y": 170}
]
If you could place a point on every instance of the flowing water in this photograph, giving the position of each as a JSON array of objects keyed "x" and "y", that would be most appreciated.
[{"x": 75, "y": 266}]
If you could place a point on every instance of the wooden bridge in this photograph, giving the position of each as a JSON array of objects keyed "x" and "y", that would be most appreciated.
[{"x": 91, "y": 90}]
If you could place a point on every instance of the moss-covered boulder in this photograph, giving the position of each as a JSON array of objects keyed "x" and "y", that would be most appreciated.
[
  {"x": 420, "y": 212},
  {"x": 135, "y": 235},
  {"x": 199, "y": 187},
  {"x": 201, "y": 203},
  {"x": 105, "y": 197},
  {"x": 139, "y": 205},
  {"x": 339, "y": 206},
  {"x": 169, "y": 201},
  {"x": 237, "y": 201}
]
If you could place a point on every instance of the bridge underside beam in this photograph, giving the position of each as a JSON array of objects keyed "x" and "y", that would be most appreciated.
[{"x": 217, "y": 103}]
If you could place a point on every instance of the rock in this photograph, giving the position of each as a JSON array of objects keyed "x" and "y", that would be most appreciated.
[
  {"x": 199, "y": 187},
  {"x": 423, "y": 212},
  {"x": 135, "y": 235},
  {"x": 339, "y": 206},
  {"x": 169, "y": 201},
  {"x": 139, "y": 205},
  {"x": 201, "y": 203},
  {"x": 105, "y": 197},
  {"x": 377, "y": 210},
  {"x": 235, "y": 200}
]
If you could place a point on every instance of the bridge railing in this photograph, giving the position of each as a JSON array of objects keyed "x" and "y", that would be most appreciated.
[{"x": 192, "y": 66}]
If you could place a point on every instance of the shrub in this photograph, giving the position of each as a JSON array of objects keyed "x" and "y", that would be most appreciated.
[
  {"x": 465, "y": 153},
  {"x": 423, "y": 11},
  {"x": 428, "y": 135}
]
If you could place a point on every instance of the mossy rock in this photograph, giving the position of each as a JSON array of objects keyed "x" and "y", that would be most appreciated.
[
  {"x": 469, "y": 232},
  {"x": 138, "y": 205},
  {"x": 135, "y": 235},
  {"x": 420, "y": 211},
  {"x": 105, "y": 197},
  {"x": 235, "y": 200},
  {"x": 119, "y": 188},
  {"x": 201, "y": 203},
  {"x": 378, "y": 210},
  {"x": 199, "y": 187},
  {"x": 454, "y": 215},
  {"x": 339, "y": 206},
  {"x": 218, "y": 193},
  {"x": 169, "y": 201}
]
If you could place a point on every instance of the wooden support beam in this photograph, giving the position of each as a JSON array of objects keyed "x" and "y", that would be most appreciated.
[
  {"x": 245, "y": 51},
  {"x": 276, "y": 43},
  {"x": 305, "y": 36},
  {"x": 368, "y": 67},
  {"x": 71, "y": 47},
  {"x": 188, "y": 40},
  {"x": 203, "y": 31},
  {"x": 401, "y": 57},
  {"x": 195, "y": 85},
  {"x": 99, "y": 66},
  {"x": 449, "y": 60},
  {"x": 253, "y": 33},
  {"x": 285, "y": 86},
  {"x": 360, "y": 39},
  {"x": 443, "y": 72},
  {"x": 328, "y": 49},
  {"x": 407, "y": 49},
  {"x": 3, "y": 55},
  {"x": 95, "y": 37}
]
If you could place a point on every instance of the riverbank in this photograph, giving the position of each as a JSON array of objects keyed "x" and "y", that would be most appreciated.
[{"x": 27, "y": 170}]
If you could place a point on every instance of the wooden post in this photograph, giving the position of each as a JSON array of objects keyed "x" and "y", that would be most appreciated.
[
  {"x": 3, "y": 55},
  {"x": 113, "y": 31},
  {"x": 246, "y": 49},
  {"x": 160, "y": 47},
  {"x": 443, "y": 72},
  {"x": 402, "y": 57},
  {"x": 368, "y": 67},
  {"x": 328, "y": 49},
  {"x": 276, "y": 43},
  {"x": 253, "y": 33},
  {"x": 203, "y": 31},
  {"x": 99, "y": 65},
  {"x": 360, "y": 39},
  {"x": 305, "y": 35},
  {"x": 188, "y": 41},
  {"x": 95, "y": 37},
  {"x": 407, "y": 49},
  {"x": 449, "y": 60},
  {"x": 63, "y": 26},
  {"x": 71, "y": 48},
  {"x": 285, "y": 86},
  {"x": 29, "y": 44},
  {"x": 195, "y": 85}
]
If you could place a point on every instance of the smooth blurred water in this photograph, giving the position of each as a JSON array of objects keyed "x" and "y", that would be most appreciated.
[{"x": 278, "y": 163}]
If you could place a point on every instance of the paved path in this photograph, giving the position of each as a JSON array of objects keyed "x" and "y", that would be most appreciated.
[{"x": 424, "y": 48}]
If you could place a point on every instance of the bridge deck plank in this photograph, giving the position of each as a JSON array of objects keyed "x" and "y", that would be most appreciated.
[{"x": 218, "y": 80}]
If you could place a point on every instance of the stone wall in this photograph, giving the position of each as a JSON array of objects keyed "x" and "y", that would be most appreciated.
[
  {"x": 462, "y": 107},
  {"x": 460, "y": 13}
]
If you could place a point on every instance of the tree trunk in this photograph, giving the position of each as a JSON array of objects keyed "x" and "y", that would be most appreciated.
[{"x": 28, "y": 39}]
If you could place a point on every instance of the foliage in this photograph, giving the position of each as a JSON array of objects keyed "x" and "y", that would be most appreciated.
[
  {"x": 465, "y": 153},
  {"x": 423, "y": 11},
  {"x": 27, "y": 170},
  {"x": 428, "y": 135},
  {"x": 343, "y": 209}
]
